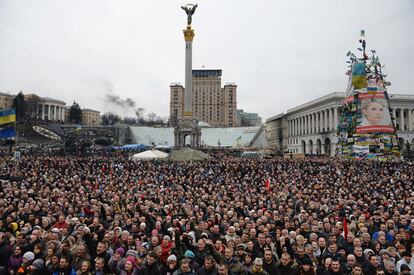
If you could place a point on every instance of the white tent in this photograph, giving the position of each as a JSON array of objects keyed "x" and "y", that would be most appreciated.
[{"x": 150, "y": 154}]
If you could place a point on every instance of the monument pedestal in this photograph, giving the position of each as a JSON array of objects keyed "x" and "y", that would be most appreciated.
[{"x": 187, "y": 127}]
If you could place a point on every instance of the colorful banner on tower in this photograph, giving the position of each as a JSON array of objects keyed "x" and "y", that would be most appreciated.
[{"x": 373, "y": 115}]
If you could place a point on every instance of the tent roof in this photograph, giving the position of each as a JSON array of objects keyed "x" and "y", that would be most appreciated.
[
  {"x": 150, "y": 154},
  {"x": 187, "y": 154},
  {"x": 134, "y": 146}
]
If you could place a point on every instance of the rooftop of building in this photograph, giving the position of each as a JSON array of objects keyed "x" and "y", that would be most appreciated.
[
  {"x": 52, "y": 100},
  {"x": 275, "y": 117},
  {"x": 5, "y": 94},
  {"x": 340, "y": 96},
  {"x": 45, "y": 99},
  {"x": 90, "y": 110},
  {"x": 210, "y": 136},
  {"x": 207, "y": 73}
]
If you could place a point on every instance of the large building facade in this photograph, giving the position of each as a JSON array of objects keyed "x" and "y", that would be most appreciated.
[
  {"x": 91, "y": 117},
  {"x": 248, "y": 119},
  {"x": 48, "y": 108},
  {"x": 6, "y": 101},
  {"x": 311, "y": 127},
  {"x": 276, "y": 132},
  {"x": 211, "y": 103}
]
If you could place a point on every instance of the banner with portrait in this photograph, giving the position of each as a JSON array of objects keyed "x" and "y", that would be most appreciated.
[{"x": 373, "y": 114}]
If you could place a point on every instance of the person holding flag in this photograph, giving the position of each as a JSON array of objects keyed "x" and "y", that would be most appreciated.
[{"x": 267, "y": 184}]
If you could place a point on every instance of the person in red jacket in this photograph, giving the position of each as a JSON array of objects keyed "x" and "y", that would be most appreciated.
[
  {"x": 61, "y": 222},
  {"x": 166, "y": 248}
]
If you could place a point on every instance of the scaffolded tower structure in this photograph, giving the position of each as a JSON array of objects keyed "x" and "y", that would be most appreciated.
[{"x": 366, "y": 128}]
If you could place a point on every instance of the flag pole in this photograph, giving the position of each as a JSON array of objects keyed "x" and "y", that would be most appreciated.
[{"x": 16, "y": 151}]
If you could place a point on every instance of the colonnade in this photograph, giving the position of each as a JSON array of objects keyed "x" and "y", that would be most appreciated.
[
  {"x": 315, "y": 122},
  {"x": 404, "y": 120},
  {"x": 52, "y": 112}
]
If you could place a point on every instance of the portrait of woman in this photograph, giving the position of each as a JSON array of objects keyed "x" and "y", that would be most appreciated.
[{"x": 375, "y": 112}]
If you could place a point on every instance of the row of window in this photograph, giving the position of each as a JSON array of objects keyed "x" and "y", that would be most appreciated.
[{"x": 294, "y": 141}]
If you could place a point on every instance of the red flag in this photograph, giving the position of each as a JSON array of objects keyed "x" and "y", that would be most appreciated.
[
  {"x": 345, "y": 228},
  {"x": 267, "y": 184}
]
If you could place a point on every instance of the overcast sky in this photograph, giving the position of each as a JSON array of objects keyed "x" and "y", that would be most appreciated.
[{"x": 279, "y": 53}]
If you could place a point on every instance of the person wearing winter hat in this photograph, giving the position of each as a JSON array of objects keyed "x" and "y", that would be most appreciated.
[
  {"x": 129, "y": 266},
  {"x": 145, "y": 245},
  {"x": 368, "y": 251},
  {"x": 240, "y": 252},
  {"x": 38, "y": 267},
  {"x": 307, "y": 267},
  {"x": 166, "y": 245},
  {"x": 189, "y": 254},
  {"x": 194, "y": 261},
  {"x": 172, "y": 257},
  {"x": 131, "y": 253},
  {"x": 116, "y": 261},
  {"x": 171, "y": 264},
  {"x": 120, "y": 251},
  {"x": 28, "y": 258}
]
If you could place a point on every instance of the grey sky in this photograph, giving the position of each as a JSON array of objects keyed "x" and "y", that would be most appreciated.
[{"x": 279, "y": 53}]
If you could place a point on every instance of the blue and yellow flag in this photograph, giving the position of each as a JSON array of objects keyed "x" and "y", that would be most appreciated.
[
  {"x": 359, "y": 79},
  {"x": 8, "y": 132},
  {"x": 7, "y": 116}
]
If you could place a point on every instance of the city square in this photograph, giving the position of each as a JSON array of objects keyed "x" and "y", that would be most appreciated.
[{"x": 139, "y": 176}]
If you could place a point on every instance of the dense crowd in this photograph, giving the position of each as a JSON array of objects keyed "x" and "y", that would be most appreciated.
[{"x": 109, "y": 215}]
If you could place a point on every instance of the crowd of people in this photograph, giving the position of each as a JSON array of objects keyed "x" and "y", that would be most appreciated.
[{"x": 109, "y": 215}]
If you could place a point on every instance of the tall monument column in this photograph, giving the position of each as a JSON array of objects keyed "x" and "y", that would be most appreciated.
[
  {"x": 188, "y": 126},
  {"x": 188, "y": 92}
]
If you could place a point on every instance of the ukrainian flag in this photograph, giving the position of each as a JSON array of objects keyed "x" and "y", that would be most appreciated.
[{"x": 7, "y": 116}]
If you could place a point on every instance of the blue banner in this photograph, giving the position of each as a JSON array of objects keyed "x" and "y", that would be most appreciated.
[{"x": 8, "y": 132}]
